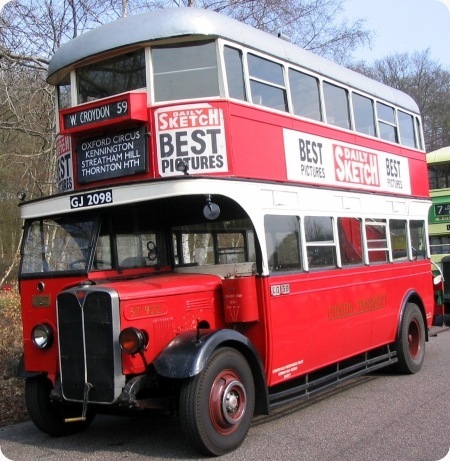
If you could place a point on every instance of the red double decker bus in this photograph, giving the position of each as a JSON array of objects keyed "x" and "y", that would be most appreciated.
[{"x": 239, "y": 224}]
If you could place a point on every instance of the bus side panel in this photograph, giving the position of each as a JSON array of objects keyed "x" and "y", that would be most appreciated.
[
  {"x": 257, "y": 135},
  {"x": 319, "y": 318},
  {"x": 399, "y": 280}
]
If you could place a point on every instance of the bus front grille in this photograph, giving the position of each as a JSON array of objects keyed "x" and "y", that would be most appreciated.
[{"x": 88, "y": 323}]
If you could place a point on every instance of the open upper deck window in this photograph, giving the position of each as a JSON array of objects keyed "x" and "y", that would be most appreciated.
[
  {"x": 267, "y": 83},
  {"x": 112, "y": 76},
  {"x": 184, "y": 71},
  {"x": 386, "y": 122}
]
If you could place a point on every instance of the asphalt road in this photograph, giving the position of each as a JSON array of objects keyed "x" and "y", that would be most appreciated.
[{"x": 380, "y": 417}]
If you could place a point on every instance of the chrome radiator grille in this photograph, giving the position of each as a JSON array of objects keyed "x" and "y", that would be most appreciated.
[{"x": 88, "y": 325}]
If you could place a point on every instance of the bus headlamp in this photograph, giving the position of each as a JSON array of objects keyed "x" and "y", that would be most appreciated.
[
  {"x": 42, "y": 336},
  {"x": 132, "y": 340}
]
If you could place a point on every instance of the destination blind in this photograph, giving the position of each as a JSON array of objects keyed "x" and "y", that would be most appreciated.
[
  {"x": 96, "y": 114},
  {"x": 112, "y": 156}
]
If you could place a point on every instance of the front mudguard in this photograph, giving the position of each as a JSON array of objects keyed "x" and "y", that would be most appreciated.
[
  {"x": 22, "y": 373},
  {"x": 187, "y": 354}
]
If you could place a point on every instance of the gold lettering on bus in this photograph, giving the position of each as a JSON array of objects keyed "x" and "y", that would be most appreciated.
[
  {"x": 359, "y": 306},
  {"x": 141, "y": 311}
]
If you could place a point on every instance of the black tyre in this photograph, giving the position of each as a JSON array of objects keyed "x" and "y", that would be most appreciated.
[
  {"x": 216, "y": 406},
  {"x": 49, "y": 416},
  {"x": 410, "y": 345}
]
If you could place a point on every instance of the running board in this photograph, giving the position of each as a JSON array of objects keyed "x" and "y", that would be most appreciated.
[{"x": 330, "y": 376}]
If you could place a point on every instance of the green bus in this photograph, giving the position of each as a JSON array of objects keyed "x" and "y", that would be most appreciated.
[{"x": 439, "y": 219}]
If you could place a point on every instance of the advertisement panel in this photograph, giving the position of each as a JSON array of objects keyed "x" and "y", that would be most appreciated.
[
  {"x": 64, "y": 168},
  {"x": 328, "y": 162},
  {"x": 193, "y": 134}
]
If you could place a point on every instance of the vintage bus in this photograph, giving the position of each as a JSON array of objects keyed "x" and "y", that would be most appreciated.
[
  {"x": 439, "y": 221},
  {"x": 239, "y": 224}
]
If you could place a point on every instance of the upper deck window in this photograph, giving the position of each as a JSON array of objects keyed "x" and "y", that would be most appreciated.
[
  {"x": 439, "y": 175},
  {"x": 305, "y": 95},
  {"x": 386, "y": 122},
  {"x": 336, "y": 105},
  {"x": 235, "y": 73},
  {"x": 417, "y": 124},
  {"x": 406, "y": 128},
  {"x": 364, "y": 115},
  {"x": 64, "y": 93},
  {"x": 267, "y": 83},
  {"x": 113, "y": 76},
  {"x": 185, "y": 71}
]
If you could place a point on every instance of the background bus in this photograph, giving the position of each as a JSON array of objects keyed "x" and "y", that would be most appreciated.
[
  {"x": 240, "y": 224},
  {"x": 439, "y": 218}
]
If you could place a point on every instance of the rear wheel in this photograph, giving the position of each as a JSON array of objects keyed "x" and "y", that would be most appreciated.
[
  {"x": 49, "y": 416},
  {"x": 410, "y": 345},
  {"x": 216, "y": 406}
]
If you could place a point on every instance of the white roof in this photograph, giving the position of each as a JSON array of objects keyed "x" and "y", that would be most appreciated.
[{"x": 184, "y": 22}]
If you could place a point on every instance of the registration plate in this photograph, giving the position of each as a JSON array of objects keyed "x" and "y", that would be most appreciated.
[{"x": 91, "y": 199}]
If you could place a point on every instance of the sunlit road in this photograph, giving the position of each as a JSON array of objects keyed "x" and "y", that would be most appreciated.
[{"x": 378, "y": 417}]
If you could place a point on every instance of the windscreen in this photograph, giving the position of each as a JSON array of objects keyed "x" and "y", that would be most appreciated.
[{"x": 57, "y": 245}]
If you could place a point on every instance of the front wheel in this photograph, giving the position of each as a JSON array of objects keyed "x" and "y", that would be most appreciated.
[
  {"x": 410, "y": 345},
  {"x": 49, "y": 416},
  {"x": 216, "y": 406}
]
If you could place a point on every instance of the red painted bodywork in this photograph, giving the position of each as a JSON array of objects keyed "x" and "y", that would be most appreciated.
[
  {"x": 254, "y": 138},
  {"x": 324, "y": 317},
  {"x": 349, "y": 311}
]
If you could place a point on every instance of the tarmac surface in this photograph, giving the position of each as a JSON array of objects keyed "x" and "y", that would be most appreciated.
[{"x": 378, "y": 417}]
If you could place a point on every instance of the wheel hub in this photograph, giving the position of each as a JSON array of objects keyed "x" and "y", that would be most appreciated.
[
  {"x": 231, "y": 401},
  {"x": 228, "y": 402}
]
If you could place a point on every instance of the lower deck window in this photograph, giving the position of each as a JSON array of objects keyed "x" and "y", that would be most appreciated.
[
  {"x": 399, "y": 239},
  {"x": 215, "y": 243},
  {"x": 320, "y": 243},
  {"x": 418, "y": 235},
  {"x": 282, "y": 242},
  {"x": 377, "y": 244},
  {"x": 350, "y": 241}
]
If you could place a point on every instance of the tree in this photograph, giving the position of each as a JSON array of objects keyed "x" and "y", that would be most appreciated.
[
  {"x": 426, "y": 82},
  {"x": 311, "y": 24},
  {"x": 32, "y": 30}
]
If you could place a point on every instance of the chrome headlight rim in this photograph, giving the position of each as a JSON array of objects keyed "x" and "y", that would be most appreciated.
[{"x": 42, "y": 336}]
